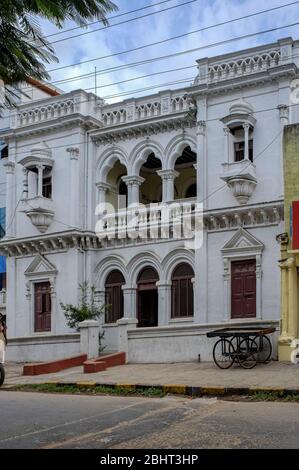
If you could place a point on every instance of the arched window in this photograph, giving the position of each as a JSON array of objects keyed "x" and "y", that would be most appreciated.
[
  {"x": 182, "y": 304},
  {"x": 114, "y": 297}
]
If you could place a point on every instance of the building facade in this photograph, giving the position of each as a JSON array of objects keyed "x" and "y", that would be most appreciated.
[
  {"x": 209, "y": 156},
  {"x": 289, "y": 260}
]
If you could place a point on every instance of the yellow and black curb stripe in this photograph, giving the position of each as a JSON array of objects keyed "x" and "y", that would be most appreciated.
[{"x": 179, "y": 389}]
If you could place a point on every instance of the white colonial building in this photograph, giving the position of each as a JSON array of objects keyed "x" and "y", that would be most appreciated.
[{"x": 217, "y": 143}]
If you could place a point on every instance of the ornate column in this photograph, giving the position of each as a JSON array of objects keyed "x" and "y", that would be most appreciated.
[
  {"x": 130, "y": 302},
  {"x": 10, "y": 169},
  {"x": 40, "y": 180},
  {"x": 74, "y": 156},
  {"x": 226, "y": 290},
  {"x": 246, "y": 127},
  {"x": 164, "y": 303},
  {"x": 25, "y": 183},
  {"x": 258, "y": 274},
  {"x": 133, "y": 182},
  {"x": 226, "y": 136},
  {"x": 289, "y": 307},
  {"x": 168, "y": 177},
  {"x": 102, "y": 190}
]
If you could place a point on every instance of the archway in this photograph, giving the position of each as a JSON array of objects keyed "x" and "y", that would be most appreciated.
[
  {"x": 117, "y": 194},
  {"x": 185, "y": 183},
  {"x": 151, "y": 188},
  {"x": 114, "y": 297},
  {"x": 147, "y": 298}
]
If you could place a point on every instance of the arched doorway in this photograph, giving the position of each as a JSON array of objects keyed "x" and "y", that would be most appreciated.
[
  {"x": 114, "y": 296},
  {"x": 182, "y": 303},
  {"x": 147, "y": 298}
]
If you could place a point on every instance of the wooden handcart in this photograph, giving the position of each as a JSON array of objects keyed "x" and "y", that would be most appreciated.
[{"x": 245, "y": 346}]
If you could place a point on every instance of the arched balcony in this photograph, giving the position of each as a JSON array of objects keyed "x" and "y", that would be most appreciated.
[{"x": 238, "y": 170}]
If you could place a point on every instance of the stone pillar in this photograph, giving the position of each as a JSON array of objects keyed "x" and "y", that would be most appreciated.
[
  {"x": 130, "y": 302},
  {"x": 226, "y": 145},
  {"x": 289, "y": 308},
  {"x": 125, "y": 324},
  {"x": 89, "y": 338},
  {"x": 25, "y": 183},
  {"x": 168, "y": 177},
  {"x": 164, "y": 303},
  {"x": 102, "y": 191},
  {"x": 201, "y": 180},
  {"x": 246, "y": 127},
  {"x": 40, "y": 180},
  {"x": 133, "y": 182},
  {"x": 74, "y": 203},
  {"x": 100, "y": 300},
  {"x": 284, "y": 121},
  {"x": 10, "y": 169}
]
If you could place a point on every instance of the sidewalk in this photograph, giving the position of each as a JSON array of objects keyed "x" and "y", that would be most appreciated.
[{"x": 273, "y": 376}]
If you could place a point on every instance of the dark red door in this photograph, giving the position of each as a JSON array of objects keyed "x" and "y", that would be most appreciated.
[
  {"x": 42, "y": 306},
  {"x": 243, "y": 278}
]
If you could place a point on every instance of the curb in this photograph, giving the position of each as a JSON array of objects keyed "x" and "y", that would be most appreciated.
[{"x": 174, "y": 389}]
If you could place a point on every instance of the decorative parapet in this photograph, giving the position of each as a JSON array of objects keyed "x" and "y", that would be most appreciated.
[
  {"x": 54, "y": 108},
  {"x": 244, "y": 63},
  {"x": 162, "y": 104}
]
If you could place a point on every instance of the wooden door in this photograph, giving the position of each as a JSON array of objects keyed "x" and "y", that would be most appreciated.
[
  {"x": 243, "y": 289},
  {"x": 42, "y": 306}
]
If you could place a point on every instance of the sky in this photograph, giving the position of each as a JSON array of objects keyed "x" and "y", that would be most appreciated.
[{"x": 160, "y": 26}]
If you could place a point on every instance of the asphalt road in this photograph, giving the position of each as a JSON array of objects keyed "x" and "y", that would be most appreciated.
[{"x": 33, "y": 420}]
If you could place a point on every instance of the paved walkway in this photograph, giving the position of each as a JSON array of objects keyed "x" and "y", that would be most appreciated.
[{"x": 273, "y": 375}]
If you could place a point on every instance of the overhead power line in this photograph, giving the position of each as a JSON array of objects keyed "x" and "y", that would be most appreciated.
[
  {"x": 168, "y": 56},
  {"x": 109, "y": 18},
  {"x": 115, "y": 54},
  {"x": 125, "y": 21}
]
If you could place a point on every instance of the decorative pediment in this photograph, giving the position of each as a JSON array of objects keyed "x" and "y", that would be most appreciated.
[
  {"x": 40, "y": 265},
  {"x": 241, "y": 242}
]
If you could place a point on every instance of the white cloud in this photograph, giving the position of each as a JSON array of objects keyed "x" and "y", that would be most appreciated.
[{"x": 196, "y": 15}]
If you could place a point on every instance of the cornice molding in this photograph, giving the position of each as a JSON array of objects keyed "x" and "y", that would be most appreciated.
[
  {"x": 141, "y": 128},
  {"x": 55, "y": 242}
]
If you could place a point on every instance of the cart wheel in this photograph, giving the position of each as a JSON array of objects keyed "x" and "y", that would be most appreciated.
[
  {"x": 264, "y": 348},
  {"x": 2, "y": 374},
  {"x": 224, "y": 354},
  {"x": 247, "y": 353}
]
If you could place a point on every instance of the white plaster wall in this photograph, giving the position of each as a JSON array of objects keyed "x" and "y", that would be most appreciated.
[
  {"x": 43, "y": 348},
  {"x": 169, "y": 345}
]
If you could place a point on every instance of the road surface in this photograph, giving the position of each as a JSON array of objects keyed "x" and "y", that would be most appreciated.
[{"x": 34, "y": 420}]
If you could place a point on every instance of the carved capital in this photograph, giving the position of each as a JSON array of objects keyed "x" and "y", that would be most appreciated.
[
  {"x": 73, "y": 152},
  {"x": 201, "y": 128}
]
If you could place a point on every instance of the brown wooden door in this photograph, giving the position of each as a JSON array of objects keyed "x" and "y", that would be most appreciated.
[
  {"x": 42, "y": 306},
  {"x": 243, "y": 289}
]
